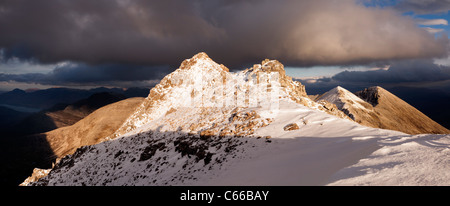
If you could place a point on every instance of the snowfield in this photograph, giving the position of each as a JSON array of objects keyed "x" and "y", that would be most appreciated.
[
  {"x": 402, "y": 160},
  {"x": 325, "y": 151},
  {"x": 332, "y": 151}
]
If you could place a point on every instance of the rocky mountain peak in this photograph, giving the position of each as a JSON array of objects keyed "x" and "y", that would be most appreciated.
[
  {"x": 272, "y": 66},
  {"x": 200, "y": 84},
  {"x": 339, "y": 88},
  {"x": 199, "y": 60},
  {"x": 268, "y": 66},
  {"x": 346, "y": 101},
  {"x": 377, "y": 107},
  {"x": 295, "y": 89}
]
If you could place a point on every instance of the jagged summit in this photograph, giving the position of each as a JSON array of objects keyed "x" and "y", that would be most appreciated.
[
  {"x": 201, "y": 55},
  {"x": 296, "y": 89},
  {"x": 268, "y": 65},
  {"x": 201, "y": 60}
]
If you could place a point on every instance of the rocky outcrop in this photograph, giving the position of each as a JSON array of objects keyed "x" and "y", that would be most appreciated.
[
  {"x": 370, "y": 95},
  {"x": 331, "y": 108},
  {"x": 295, "y": 89},
  {"x": 291, "y": 126},
  {"x": 37, "y": 174}
]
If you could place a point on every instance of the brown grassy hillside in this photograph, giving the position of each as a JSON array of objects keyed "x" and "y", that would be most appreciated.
[
  {"x": 93, "y": 128},
  {"x": 396, "y": 114}
]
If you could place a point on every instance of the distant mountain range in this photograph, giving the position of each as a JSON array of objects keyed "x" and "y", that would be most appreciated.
[
  {"x": 61, "y": 115},
  {"x": 47, "y": 98},
  {"x": 59, "y": 107}
]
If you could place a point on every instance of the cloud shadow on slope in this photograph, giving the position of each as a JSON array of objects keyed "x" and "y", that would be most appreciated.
[{"x": 20, "y": 155}]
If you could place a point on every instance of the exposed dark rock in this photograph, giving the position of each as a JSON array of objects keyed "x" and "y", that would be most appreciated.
[
  {"x": 369, "y": 95},
  {"x": 150, "y": 150}
]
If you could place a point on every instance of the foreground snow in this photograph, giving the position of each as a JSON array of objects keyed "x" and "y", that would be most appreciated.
[
  {"x": 402, "y": 160},
  {"x": 325, "y": 150},
  {"x": 331, "y": 151}
]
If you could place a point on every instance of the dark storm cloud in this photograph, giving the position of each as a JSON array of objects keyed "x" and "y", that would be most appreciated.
[
  {"x": 398, "y": 72},
  {"x": 71, "y": 72},
  {"x": 419, "y": 73},
  {"x": 424, "y": 6},
  {"x": 100, "y": 31},
  {"x": 29, "y": 78},
  {"x": 83, "y": 74},
  {"x": 304, "y": 33}
]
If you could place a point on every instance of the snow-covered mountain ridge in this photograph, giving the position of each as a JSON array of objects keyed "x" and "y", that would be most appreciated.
[
  {"x": 377, "y": 107},
  {"x": 201, "y": 85},
  {"x": 203, "y": 125}
]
